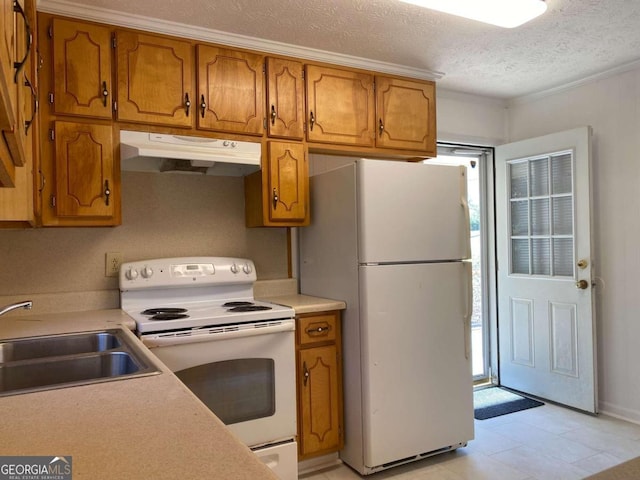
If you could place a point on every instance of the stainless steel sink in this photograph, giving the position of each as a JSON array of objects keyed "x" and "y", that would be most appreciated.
[
  {"x": 56, "y": 361},
  {"x": 57, "y": 345}
]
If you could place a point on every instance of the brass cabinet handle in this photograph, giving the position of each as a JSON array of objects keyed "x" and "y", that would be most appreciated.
[
  {"x": 187, "y": 103},
  {"x": 318, "y": 330},
  {"x": 275, "y": 198},
  {"x": 105, "y": 93},
  {"x": 203, "y": 105},
  {"x": 29, "y": 40},
  {"x": 312, "y": 120},
  {"x": 381, "y": 127},
  {"x": 107, "y": 192},
  {"x": 273, "y": 115},
  {"x": 305, "y": 374}
]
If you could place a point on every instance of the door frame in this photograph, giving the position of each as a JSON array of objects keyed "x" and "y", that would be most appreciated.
[{"x": 489, "y": 259}]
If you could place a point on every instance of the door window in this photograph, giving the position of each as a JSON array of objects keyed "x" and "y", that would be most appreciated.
[
  {"x": 541, "y": 215},
  {"x": 235, "y": 390}
]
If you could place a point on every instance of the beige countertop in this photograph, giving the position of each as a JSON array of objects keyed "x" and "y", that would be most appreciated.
[
  {"x": 147, "y": 427},
  {"x": 307, "y": 304}
]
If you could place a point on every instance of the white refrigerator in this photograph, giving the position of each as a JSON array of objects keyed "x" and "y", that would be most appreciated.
[{"x": 391, "y": 239}]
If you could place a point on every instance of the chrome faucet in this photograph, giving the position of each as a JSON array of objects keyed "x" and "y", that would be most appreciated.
[{"x": 26, "y": 305}]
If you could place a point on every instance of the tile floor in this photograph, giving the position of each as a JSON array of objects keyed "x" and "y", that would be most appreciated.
[{"x": 543, "y": 443}]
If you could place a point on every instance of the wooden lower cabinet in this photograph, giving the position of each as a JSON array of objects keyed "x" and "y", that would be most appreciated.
[{"x": 319, "y": 384}]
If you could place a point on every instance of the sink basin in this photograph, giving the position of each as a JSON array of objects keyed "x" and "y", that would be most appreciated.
[
  {"x": 57, "y": 361},
  {"x": 56, "y": 345},
  {"x": 21, "y": 376}
]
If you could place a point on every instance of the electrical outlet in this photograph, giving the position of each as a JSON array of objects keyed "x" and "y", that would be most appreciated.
[{"x": 112, "y": 263}]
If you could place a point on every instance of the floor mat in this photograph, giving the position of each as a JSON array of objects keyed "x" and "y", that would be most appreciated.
[{"x": 495, "y": 401}]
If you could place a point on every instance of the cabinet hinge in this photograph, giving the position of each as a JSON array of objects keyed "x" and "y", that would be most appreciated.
[
  {"x": 264, "y": 68},
  {"x": 52, "y": 201},
  {"x": 115, "y": 106},
  {"x": 51, "y": 98},
  {"x": 50, "y": 31},
  {"x": 264, "y": 123},
  {"x": 52, "y": 134},
  {"x": 303, "y": 74},
  {"x": 113, "y": 41}
]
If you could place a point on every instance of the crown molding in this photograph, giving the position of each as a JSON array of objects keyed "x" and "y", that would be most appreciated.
[
  {"x": 627, "y": 67},
  {"x": 112, "y": 17}
]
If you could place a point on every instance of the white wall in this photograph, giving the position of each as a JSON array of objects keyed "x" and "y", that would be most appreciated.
[
  {"x": 470, "y": 119},
  {"x": 612, "y": 107}
]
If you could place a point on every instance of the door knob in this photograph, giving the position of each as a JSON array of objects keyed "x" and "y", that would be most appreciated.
[{"x": 582, "y": 284}]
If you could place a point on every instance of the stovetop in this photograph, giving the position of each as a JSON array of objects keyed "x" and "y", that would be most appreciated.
[{"x": 193, "y": 292}]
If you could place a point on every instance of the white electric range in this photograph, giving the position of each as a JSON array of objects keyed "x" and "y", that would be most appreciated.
[{"x": 236, "y": 354}]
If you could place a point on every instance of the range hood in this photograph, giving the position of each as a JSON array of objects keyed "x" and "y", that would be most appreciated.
[{"x": 155, "y": 152}]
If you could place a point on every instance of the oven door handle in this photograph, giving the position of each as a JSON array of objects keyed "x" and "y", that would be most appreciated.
[{"x": 212, "y": 334}]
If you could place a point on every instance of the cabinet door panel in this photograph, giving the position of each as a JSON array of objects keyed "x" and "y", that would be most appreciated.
[
  {"x": 340, "y": 106},
  {"x": 81, "y": 69},
  {"x": 154, "y": 79},
  {"x": 319, "y": 399},
  {"x": 288, "y": 182},
  {"x": 406, "y": 114},
  {"x": 7, "y": 55},
  {"x": 84, "y": 170},
  {"x": 230, "y": 86},
  {"x": 285, "y": 103}
]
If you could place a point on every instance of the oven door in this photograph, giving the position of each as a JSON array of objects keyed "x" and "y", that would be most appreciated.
[{"x": 244, "y": 374}]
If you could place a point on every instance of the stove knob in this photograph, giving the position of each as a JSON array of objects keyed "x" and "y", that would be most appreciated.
[
  {"x": 131, "y": 274},
  {"x": 246, "y": 268},
  {"x": 147, "y": 272},
  {"x": 234, "y": 268}
]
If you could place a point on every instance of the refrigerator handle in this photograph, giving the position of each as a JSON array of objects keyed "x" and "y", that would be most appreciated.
[
  {"x": 464, "y": 202},
  {"x": 469, "y": 310}
]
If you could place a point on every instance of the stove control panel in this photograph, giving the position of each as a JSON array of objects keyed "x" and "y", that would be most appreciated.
[
  {"x": 183, "y": 271},
  {"x": 192, "y": 270}
]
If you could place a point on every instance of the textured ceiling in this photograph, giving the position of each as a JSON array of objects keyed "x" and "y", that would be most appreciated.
[{"x": 574, "y": 39}]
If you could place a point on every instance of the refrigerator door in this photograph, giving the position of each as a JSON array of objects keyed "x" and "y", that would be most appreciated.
[
  {"x": 411, "y": 212},
  {"x": 416, "y": 368}
]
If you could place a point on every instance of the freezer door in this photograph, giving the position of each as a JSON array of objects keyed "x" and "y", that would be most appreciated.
[
  {"x": 417, "y": 382},
  {"x": 411, "y": 212}
]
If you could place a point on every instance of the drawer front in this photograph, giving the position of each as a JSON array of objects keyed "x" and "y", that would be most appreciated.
[{"x": 317, "y": 328}]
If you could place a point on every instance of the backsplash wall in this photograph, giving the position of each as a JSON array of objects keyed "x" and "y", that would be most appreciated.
[{"x": 163, "y": 215}]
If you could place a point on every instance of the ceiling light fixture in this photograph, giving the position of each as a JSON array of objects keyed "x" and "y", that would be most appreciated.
[{"x": 503, "y": 13}]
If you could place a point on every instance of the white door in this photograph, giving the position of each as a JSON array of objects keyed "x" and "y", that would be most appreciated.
[{"x": 546, "y": 325}]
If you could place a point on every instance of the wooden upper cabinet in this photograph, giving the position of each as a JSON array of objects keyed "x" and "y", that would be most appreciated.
[
  {"x": 16, "y": 40},
  {"x": 84, "y": 169},
  {"x": 7, "y": 57},
  {"x": 285, "y": 99},
  {"x": 340, "y": 106},
  {"x": 406, "y": 116},
  {"x": 81, "y": 69},
  {"x": 155, "y": 80},
  {"x": 288, "y": 189},
  {"x": 230, "y": 90}
]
